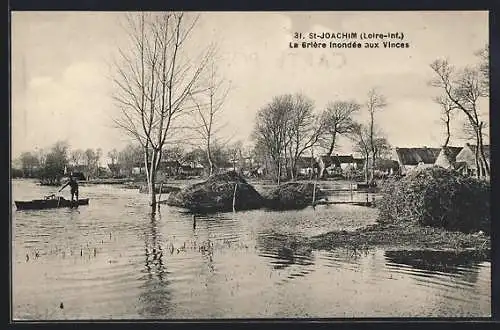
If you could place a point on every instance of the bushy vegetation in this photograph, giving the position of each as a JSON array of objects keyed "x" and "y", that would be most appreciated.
[
  {"x": 216, "y": 195},
  {"x": 292, "y": 195},
  {"x": 439, "y": 198}
]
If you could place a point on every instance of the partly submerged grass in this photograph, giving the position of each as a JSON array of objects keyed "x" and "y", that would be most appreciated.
[{"x": 396, "y": 236}]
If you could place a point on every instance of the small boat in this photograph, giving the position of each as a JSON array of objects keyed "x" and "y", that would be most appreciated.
[{"x": 50, "y": 202}]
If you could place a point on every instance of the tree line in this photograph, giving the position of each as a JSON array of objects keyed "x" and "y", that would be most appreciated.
[
  {"x": 51, "y": 164},
  {"x": 123, "y": 162},
  {"x": 289, "y": 127}
]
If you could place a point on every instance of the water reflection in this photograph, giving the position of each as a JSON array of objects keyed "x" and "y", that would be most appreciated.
[
  {"x": 284, "y": 249},
  {"x": 156, "y": 295},
  {"x": 451, "y": 262},
  {"x": 458, "y": 277},
  {"x": 463, "y": 266}
]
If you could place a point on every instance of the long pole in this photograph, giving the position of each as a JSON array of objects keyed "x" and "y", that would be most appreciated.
[
  {"x": 350, "y": 185},
  {"x": 234, "y": 197},
  {"x": 314, "y": 193}
]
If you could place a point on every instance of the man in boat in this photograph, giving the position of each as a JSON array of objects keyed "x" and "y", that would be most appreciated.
[{"x": 73, "y": 185}]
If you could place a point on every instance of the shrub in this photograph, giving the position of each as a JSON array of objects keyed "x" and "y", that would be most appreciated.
[
  {"x": 292, "y": 195},
  {"x": 437, "y": 197}
]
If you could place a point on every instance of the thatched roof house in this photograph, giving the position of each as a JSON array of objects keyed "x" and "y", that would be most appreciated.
[
  {"x": 412, "y": 158},
  {"x": 306, "y": 165},
  {"x": 336, "y": 161},
  {"x": 466, "y": 159},
  {"x": 447, "y": 157},
  {"x": 360, "y": 162},
  {"x": 387, "y": 165}
]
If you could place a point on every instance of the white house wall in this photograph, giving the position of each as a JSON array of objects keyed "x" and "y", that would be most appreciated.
[{"x": 442, "y": 160}]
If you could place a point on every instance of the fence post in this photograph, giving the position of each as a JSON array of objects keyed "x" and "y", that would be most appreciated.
[
  {"x": 234, "y": 197},
  {"x": 314, "y": 193}
]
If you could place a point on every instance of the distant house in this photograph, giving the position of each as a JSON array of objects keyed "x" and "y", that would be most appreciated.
[
  {"x": 138, "y": 169},
  {"x": 410, "y": 159},
  {"x": 166, "y": 168},
  {"x": 118, "y": 170},
  {"x": 447, "y": 157},
  {"x": 227, "y": 167},
  {"x": 191, "y": 169},
  {"x": 345, "y": 161},
  {"x": 359, "y": 163},
  {"x": 387, "y": 166},
  {"x": 169, "y": 167},
  {"x": 305, "y": 165},
  {"x": 334, "y": 163},
  {"x": 466, "y": 159}
]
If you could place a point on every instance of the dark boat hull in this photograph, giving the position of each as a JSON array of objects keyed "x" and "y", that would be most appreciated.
[{"x": 42, "y": 204}]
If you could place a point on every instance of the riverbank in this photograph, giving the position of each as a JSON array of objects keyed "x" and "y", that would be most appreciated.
[{"x": 404, "y": 236}]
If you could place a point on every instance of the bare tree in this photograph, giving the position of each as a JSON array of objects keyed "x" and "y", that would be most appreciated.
[
  {"x": 175, "y": 153},
  {"x": 382, "y": 147},
  {"x": 113, "y": 155},
  {"x": 304, "y": 130},
  {"x": 338, "y": 120},
  {"x": 484, "y": 68},
  {"x": 447, "y": 110},
  {"x": 92, "y": 161},
  {"x": 77, "y": 156},
  {"x": 271, "y": 128},
  {"x": 41, "y": 154},
  {"x": 207, "y": 114},
  {"x": 154, "y": 81},
  {"x": 235, "y": 151},
  {"x": 129, "y": 156},
  {"x": 361, "y": 135},
  {"x": 375, "y": 103},
  {"x": 464, "y": 89}
]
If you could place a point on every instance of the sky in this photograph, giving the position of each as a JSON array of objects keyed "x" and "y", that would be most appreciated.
[{"x": 62, "y": 90}]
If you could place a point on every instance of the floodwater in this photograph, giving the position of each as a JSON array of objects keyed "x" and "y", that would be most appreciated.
[{"x": 111, "y": 260}]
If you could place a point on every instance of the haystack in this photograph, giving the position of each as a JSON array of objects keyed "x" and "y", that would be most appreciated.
[
  {"x": 437, "y": 197},
  {"x": 216, "y": 195},
  {"x": 292, "y": 195}
]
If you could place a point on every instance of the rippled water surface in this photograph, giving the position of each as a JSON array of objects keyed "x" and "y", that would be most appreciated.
[{"x": 111, "y": 260}]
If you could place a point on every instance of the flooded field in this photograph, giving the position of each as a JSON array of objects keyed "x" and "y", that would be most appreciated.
[{"x": 111, "y": 260}]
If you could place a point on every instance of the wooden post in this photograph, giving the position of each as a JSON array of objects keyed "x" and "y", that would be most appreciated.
[
  {"x": 159, "y": 195},
  {"x": 234, "y": 197},
  {"x": 350, "y": 186},
  {"x": 314, "y": 193}
]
